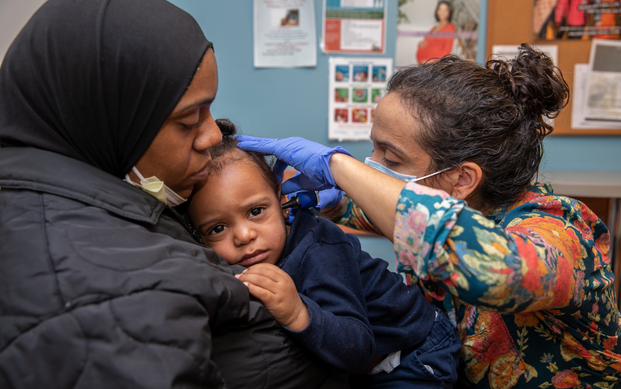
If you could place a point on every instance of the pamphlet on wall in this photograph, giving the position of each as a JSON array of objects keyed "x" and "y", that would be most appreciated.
[
  {"x": 427, "y": 30},
  {"x": 578, "y": 95},
  {"x": 603, "y": 91},
  {"x": 356, "y": 86},
  {"x": 354, "y": 26},
  {"x": 284, "y": 33},
  {"x": 576, "y": 19}
]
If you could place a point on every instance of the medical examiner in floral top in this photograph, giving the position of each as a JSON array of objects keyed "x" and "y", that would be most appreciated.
[{"x": 525, "y": 273}]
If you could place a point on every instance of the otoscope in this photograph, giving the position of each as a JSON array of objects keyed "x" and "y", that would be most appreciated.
[{"x": 303, "y": 200}]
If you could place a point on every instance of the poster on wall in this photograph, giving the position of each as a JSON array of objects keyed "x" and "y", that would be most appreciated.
[
  {"x": 576, "y": 19},
  {"x": 284, "y": 33},
  {"x": 579, "y": 102},
  {"x": 427, "y": 30},
  {"x": 354, "y": 26},
  {"x": 602, "y": 100},
  {"x": 356, "y": 86}
]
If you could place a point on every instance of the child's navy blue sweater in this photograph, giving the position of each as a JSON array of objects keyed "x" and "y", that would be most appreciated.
[{"x": 358, "y": 308}]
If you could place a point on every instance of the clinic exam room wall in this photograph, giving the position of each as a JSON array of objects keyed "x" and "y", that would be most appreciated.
[
  {"x": 293, "y": 102},
  {"x": 280, "y": 103}
]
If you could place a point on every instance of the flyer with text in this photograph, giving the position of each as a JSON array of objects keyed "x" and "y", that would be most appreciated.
[
  {"x": 354, "y": 26},
  {"x": 603, "y": 88},
  {"x": 284, "y": 33}
]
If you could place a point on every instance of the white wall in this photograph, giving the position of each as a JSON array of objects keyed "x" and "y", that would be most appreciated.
[{"x": 13, "y": 15}]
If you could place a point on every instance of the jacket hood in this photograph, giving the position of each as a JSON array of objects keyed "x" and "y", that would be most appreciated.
[{"x": 95, "y": 80}]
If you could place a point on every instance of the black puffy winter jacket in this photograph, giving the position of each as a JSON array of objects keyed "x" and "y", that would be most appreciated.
[{"x": 99, "y": 288}]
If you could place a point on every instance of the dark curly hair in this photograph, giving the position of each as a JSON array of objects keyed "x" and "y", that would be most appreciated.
[
  {"x": 493, "y": 115},
  {"x": 228, "y": 152}
]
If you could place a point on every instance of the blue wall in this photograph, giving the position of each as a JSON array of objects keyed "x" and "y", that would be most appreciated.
[{"x": 294, "y": 102}]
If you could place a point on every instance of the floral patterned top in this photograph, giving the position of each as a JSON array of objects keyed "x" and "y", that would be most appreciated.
[
  {"x": 347, "y": 213},
  {"x": 533, "y": 281}
]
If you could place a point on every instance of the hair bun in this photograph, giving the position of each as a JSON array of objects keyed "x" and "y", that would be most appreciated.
[
  {"x": 227, "y": 128},
  {"x": 533, "y": 80}
]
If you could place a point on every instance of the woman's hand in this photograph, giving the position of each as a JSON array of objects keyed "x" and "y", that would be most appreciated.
[
  {"x": 328, "y": 198},
  {"x": 277, "y": 291},
  {"x": 375, "y": 192},
  {"x": 311, "y": 159}
]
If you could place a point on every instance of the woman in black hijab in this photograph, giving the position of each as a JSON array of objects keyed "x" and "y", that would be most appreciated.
[{"x": 100, "y": 285}]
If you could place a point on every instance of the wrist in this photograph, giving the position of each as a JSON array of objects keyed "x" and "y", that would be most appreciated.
[
  {"x": 300, "y": 319},
  {"x": 337, "y": 211},
  {"x": 336, "y": 162}
]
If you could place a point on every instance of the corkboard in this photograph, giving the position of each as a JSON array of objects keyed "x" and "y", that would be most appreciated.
[{"x": 510, "y": 22}]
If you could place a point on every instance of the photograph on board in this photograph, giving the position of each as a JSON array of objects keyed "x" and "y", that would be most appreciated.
[
  {"x": 342, "y": 73},
  {"x": 360, "y": 95},
  {"x": 359, "y": 115},
  {"x": 428, "y": 30},
  {"x": 576, "y": 19},
  {"x": 379, "y": 73},
  {"x": 361, "y": 73},
  {"x": 340, "y": 115},
  {"x": 376, "y": 95},
  {"x": 341, "y": 95},
  {"x": 291, "y": 18}
]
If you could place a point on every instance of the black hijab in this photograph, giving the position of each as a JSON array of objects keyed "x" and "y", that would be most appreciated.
[{"x": 95, "y": 80}]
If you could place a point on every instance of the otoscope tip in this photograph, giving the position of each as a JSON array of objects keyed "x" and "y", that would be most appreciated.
[{"x": 291, "y": 203}]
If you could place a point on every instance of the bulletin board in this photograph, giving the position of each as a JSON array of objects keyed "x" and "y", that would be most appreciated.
[{"x": 510, "y": 22}]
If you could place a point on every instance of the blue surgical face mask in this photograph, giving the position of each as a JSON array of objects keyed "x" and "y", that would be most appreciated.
[{"x": 403, "y": 177}]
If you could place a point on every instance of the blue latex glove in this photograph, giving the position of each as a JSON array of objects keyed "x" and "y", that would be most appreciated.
[
  {"x": 329, "y": 198},
  {"x": 279, "y": 170},
  {"x": 311, "y": 159}
]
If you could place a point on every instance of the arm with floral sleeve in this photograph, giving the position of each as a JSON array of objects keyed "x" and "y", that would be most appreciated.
[
  {"x": 536, "y": 260},
  {"x": 348, "y": 213}
]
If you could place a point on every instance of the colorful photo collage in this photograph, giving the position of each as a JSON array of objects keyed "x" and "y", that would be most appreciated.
[
  {"x": 356, "y": 85},
  {"x": 357, "y": 90}
]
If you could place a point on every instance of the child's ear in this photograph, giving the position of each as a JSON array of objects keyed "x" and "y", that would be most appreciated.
[{"x": 283, "y": 199}]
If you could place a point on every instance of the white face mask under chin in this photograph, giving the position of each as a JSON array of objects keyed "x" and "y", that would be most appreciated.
[
  {"x": 403, "y": 177},
  {"x": 156, "y": 188}
]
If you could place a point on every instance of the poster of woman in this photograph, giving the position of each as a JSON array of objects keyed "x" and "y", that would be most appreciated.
[{"x": 428, "y": 30}]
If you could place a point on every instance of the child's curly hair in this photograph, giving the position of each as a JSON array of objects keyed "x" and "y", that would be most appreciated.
[{"x": 228, "y": 151}]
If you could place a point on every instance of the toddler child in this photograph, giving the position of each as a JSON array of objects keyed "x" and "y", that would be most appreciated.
[{"x": 334, "y": 299}]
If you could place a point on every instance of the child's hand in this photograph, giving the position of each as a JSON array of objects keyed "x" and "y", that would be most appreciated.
[{"x": 277, "y": 291}]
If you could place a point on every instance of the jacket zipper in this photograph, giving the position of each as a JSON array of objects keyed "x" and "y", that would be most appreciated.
[{"x": 186, "y": 224}]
